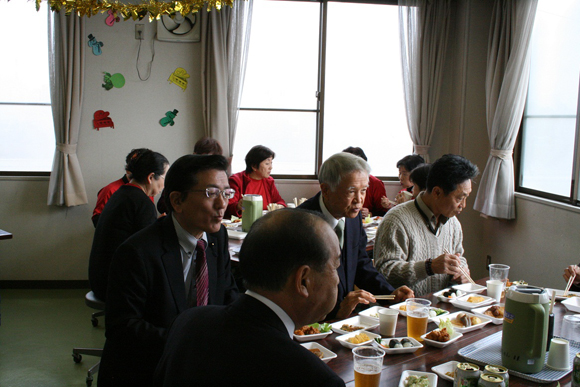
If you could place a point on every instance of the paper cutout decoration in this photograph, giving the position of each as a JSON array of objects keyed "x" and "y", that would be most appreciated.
[
  {"x": 96, "y": 46},
  {"x": 116, "y": 80},
  {"x": 112, "y": 18},
  {"x": 102, "y": 120},
  {"x": 179, "y": 77},
  {"x": 168, "y": 119}
]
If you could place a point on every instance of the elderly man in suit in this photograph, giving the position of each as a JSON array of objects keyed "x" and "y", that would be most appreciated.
[
  {"x": 249, "y": 343},
  {"x": 344, "y": 179},
  {"x": 179, "y": 262}
]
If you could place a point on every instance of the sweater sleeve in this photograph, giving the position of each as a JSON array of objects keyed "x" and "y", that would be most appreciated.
[
  {"x": 236, "y": 183},
  {"x": 275, "y": 195}
]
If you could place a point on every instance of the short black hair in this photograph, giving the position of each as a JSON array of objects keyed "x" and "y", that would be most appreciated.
[
  {"x": 449, "y": 171},
  {"x": 272, "y": 250},
  {"x": 206, "y": 146},
  {"x": 256, "y": 155},
  {"x": 355, "y": 150},
  {"x": 182, "y": 175},
  {"x": 410, "y": 162},
  {"x": 144, "y": 162},
  {"x": 419, "y": 175}
]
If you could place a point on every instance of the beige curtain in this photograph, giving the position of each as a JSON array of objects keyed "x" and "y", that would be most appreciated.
[
  {"x": 225, "y": 41},
  {"x": 67, "y": 43},
  {"x": 506, "y": 86},
  {"x": 424, "y": 31}
]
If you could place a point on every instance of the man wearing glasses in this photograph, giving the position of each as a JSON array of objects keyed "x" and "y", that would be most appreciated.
[{"x": 179, "y": 262}]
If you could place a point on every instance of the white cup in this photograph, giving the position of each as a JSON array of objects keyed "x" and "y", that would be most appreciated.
[
  {"x": 387, "y": 321},
  {"x": 559, "y": 355},
  {"x": 494, "y": 289}
]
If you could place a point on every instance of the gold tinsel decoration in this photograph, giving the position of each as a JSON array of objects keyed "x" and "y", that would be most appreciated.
[{"x": 152, "y": 8}]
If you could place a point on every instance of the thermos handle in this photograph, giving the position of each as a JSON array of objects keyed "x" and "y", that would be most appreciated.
[{"x": 539, "y": 314}]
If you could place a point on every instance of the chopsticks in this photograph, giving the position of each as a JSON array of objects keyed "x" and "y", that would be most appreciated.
[
  {"x": 570, "y": 281},
  {"x": 385, "y": 297},
  {"x": 461, "y": 269}
]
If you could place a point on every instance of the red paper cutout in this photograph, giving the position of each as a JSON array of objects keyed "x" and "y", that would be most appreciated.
[{"x": 102, "y": 120}]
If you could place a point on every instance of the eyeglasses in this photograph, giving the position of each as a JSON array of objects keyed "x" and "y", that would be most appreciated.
[{"x": 213, "y": 193}]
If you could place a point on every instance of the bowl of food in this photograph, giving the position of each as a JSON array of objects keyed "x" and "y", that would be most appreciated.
[
  {"x": 464, "y": 322},
  {"x": 372, "y": 312},
  {"x": 312, "y": 332},
  {"x": 353, "y": 324},
  {"x": 440, "y": 337},
  {"x": 446, "y": 295},
  {"x": 470, "y": 288},
  {"x": 493, "y": 312},
  {"x": 398, "y": 345},
  {"x": 323, "y": 353},
  {"x": 401, "y": 307},
  {"x": 471, "y": 301},
  {"x": 436, "y": 312},
  {"x": 418, "y": 379},
  {"x": 356, "y": 339},
  {"x": 446, "y": 371}
]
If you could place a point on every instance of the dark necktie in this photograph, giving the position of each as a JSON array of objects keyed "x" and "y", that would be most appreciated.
[{"x": 201, "y": 277}]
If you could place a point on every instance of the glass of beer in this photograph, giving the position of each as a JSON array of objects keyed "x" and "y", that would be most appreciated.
[
  {"x": 417, "y": 317},
  {"x": 368, "y": 362}
]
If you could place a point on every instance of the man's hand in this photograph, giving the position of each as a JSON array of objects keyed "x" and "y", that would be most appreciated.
[
  {"x": 402, "y": 197},
  {"x": 351, "y": 300},
  {"x": 386, "y": 203},
  {"x": 460, "y": 277},
  {"x": 571, "y": 271},
  {"x": 448, "y": 264},
  {"x": 365, "y": 212},
  {"x": 402, "y": 293}
]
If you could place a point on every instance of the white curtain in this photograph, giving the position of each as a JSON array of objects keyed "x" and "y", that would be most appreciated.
[
  {"x": 508, "y": 70},
  {"x": 225, "y": 44},
  {"x": 424, "y": 31},
  {"x": 67, "y": 43}
]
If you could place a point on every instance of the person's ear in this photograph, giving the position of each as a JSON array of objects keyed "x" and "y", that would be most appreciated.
[
  {"x": 303, "y": 281},
  {"x": 151, "y": 177},
  {"x": 176, "y": 201},
  {"x": 437, "y": 192},
  {"x": 325, "y": 189}
]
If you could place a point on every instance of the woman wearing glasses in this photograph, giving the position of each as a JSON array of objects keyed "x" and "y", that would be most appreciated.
[
  {"x": 129, "y": 210},
  {"x": 256, "y": 180}
]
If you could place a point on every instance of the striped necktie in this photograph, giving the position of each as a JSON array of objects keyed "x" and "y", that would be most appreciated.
[
  {"x": 339, "y": 229},
  {"x": 201, "y": 277}
]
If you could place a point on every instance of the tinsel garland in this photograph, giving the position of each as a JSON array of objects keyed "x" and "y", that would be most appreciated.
[{"x": 151, "y": 8}]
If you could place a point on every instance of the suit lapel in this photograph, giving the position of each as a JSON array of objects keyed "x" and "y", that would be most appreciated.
[
  {"x": 212, "y": 257},
  {"x": 171, "y": 259}
]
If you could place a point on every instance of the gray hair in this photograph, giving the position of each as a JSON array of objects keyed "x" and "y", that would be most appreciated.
[{"x": 339, "y": 165}]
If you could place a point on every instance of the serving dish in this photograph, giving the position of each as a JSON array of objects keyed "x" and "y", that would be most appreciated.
[
  {"x": 343, "y": 339},
  {"x": 452, "y": 316},
  {"x": 372, "y": 312},
  {"x": 572, "y": 304},
  {"x": 560, "y": 294},
  {"x": 327, "y": 354},
  {"x": 470, "y": 288},
  {"x": 440, "y": 344},
  {"x": 462, "y": 303},
  {"x": 442, "y": 369},
  {"x": 431, "y": 377},
  {"x": 397, "y": 351},
  {"x": 364, "y": 322},
  {"x": 232, "y": 234},
  {"x": 480, "y": 312},
  {"x": 398, "y": 306},
  {"x": 317, "y": 336},
  {"x": 442, "y": 298},
  {"x": 445, "y": 312}
]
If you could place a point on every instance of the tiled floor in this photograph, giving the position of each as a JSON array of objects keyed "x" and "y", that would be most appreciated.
[{"x": 38, "y": 332}]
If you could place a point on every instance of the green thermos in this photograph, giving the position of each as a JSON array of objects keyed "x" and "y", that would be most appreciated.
[
  {"x": 251, "y": 210},
  {"x": 525, "y": 329}
]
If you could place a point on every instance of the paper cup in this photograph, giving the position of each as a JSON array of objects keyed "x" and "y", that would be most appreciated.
[
  {"x": 559, "y": 357},
  {"x": 494, "y": 289},
  {"x": 388, "y": 321}
]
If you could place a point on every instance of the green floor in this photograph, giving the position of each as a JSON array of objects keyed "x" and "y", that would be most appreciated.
[{"x": 38, "y": 332}]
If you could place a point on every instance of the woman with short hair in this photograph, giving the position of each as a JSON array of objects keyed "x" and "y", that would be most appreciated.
[{"x": 255, "y": 179}]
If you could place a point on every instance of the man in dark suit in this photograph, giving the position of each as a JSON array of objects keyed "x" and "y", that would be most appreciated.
[
  {"x": 288, "y": 261},
  {"x": 166, "y": 268},
  {"x": 344, "y": 179}
]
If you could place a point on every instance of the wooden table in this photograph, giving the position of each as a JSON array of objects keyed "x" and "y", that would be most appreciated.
[
  {"x": 5, "y": 235},
  {"x": 425, "y": 358}
]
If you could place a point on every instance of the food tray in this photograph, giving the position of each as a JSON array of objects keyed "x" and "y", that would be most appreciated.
[{"x": 488, "y": 351}]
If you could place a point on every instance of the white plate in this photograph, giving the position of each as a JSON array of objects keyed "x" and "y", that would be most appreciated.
[
  {"x": 317, "y": 336},
  {"x": 327, "y": 354},
  {"x": 559, "y": 294},
  {"x": 343, "y": 339},
  {"x": 397, "y": 351},
  {"x": 470, "y": 288},
  {"x": 484, "y": 321},
  {"x": 441, "y": 369},
  {"x": 462, "y": 303},
  {"x": 441, "y": 297},
  {"x": 372, "y": 312},
  {"x": 397, "y": 306},
  {"x": 431, "y": 377},
  {"x": 445, "y": 313},
  {"x": 440, "y": 344},
  {"x": 360, "y": 321},
  {"x": 480, "y": 312},
  {"x": 572, "y": 304},
  {"x": 236, "y": 234}
]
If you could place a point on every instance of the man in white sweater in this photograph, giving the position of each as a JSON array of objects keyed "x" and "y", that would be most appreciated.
[{"x": 419, "y": 243}]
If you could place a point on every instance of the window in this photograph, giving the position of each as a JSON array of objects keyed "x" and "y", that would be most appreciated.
[
  {"x": 26, "y": 129},
  {"x": 549, "y": 138},
  {"x": 321, "y": 77}
]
